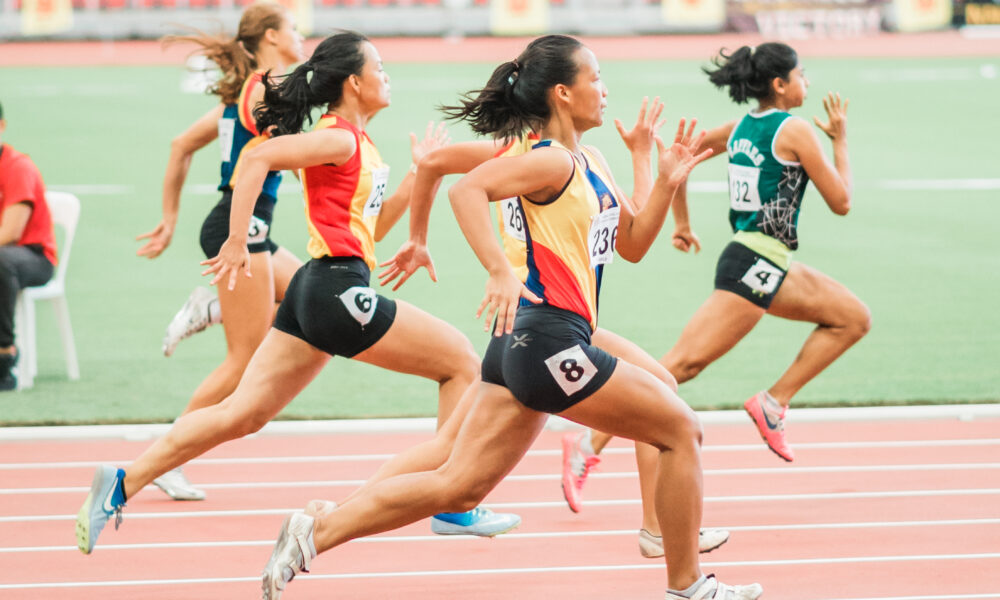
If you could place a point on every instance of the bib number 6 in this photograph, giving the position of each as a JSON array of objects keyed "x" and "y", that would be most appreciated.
[{"x": 360, "y": 302}]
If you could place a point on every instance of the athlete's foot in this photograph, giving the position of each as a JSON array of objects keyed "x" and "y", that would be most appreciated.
[
  {"x": 576, "y": 465},
  {"x": 709, "y": 588},
  {"x": 176, "y": 485},
  {"x": 651, "y": 546},
  {"x": 194, "y": 316},
  {"x": 770, "y": 420},
  {"x": 479, "y": 521},
  {"x": 292, "y": 554},
  {"x": 105, "y": 499}
]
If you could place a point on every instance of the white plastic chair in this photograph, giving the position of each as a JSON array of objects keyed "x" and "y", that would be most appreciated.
[{"x": 65, "y": 209}]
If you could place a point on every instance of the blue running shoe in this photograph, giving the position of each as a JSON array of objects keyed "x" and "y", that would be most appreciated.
[
  {"x": 106, "y": 498},
  {"x": 478, "y": 521}
]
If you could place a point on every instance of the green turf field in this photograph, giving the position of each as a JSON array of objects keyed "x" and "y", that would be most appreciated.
[{"x": 922, "y": 254}]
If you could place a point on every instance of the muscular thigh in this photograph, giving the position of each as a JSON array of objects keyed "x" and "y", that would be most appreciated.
[
  {"x": 247, "y": 309},
  {"x": 419, "y": 343},
  {"x": 625, "y": 349},
  {"x": 810, "y": 295}
]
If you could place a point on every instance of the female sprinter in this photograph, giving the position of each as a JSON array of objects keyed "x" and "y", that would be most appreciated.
[
  {"x": 266, "y": 41},
  {"x": 462, "y": 158},
  {"x": 329, "y": 308},
  {"x": 543, "y": 363},
  {"x": 772, "y": 156}
]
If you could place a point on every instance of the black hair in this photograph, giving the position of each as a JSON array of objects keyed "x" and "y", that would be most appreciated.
[
  {"x": 749, "y": 71},
  {"x": 514, "y": 100},
  {"x": 289, "y": 99}
]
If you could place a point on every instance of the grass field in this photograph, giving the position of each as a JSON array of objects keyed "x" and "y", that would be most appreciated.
[{"x": 919, "y": 247}]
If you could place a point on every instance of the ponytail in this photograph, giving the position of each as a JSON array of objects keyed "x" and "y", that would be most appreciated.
[
  {"x": 289, "y": 99},
  {"x": 749, "y": 71},
  {"x": 235, "y": 56},
  {"x": 514, "y": 99}
]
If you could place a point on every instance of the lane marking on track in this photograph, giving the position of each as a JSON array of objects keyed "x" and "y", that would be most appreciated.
[
  {"x": 514, "y": 570},
  {"x": 382, "y": 539},
  {"x": 557, "y": 476},
  {"x": 559, "y": 504},
  {"x": 340, "y": 458}
]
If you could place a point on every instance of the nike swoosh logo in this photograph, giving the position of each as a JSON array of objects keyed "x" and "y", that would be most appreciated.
[
  {"x": 770, "y": 425},
  {"x": 106, "y": 505}
]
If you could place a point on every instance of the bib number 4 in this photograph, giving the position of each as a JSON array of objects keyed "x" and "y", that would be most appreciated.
[{"x": 763, "y": 277}]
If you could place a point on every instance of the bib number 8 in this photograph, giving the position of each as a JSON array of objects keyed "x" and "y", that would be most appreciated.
[{"x": 571, "y": 369}]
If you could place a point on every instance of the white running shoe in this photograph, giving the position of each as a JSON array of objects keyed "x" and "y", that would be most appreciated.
[
  {"x": 651, "y": 546},
  {"x": 713, "y": 589},
  {"x": 479, "y": 521},
  {"x": 292, "y": 554},
  {"x": 193, "y": 317},
  {"x": 176, "y": 485}
]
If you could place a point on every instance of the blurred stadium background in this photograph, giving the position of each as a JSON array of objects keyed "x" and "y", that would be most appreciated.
[{"x": 95, "y": 101}]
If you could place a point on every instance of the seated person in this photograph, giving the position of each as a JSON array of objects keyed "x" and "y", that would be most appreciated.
[{"x": 27, "y": 243}]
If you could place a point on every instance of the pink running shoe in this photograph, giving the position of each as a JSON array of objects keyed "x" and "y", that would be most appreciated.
[
  {"x": 576, "y": 467},
  {"x": 771, "y": 431}
]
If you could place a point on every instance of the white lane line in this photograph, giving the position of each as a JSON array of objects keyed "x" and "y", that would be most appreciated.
[
  {"x": 342, "y": 458},
  {"x": 186, "y": 514},
  {"x": 516, "y": 536},
  {"x": 755, "y": 471},
  {"x": 515, "y": 570},
  {"x": 940, "y": 184}
]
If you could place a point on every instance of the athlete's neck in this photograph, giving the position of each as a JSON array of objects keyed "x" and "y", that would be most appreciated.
[{"x": 269, "y": 59}]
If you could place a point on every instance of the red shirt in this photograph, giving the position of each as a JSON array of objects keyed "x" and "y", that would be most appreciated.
[{"x": 20, "y": 181}]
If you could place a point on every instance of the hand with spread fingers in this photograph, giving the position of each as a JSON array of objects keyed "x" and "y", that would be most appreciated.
[
  {"x": 640, "y": 138},
  {"x": 675, "y": 163},
  {"x": 233, "y": 257},
  {"x": 503, "y": 294},
  {"x": 836, "y": 111},
  {"x": 407, "y": 260}
]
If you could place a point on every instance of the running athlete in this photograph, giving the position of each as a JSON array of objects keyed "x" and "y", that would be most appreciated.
[
  {"x": 329, "y": 308},
  {"x": 772, "y": 156},
  {"x": 266, "y": 41},
  {"x": 540, "y": 359},
  {"x": 462, "y": 158}
]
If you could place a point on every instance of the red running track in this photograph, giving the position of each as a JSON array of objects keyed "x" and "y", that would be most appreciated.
[{"x": 869, "y": 510}]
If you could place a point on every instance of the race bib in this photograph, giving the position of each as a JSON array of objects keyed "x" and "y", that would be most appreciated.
[
  {"x": 380, "y": 178},
  {"x": 602, "y": 236},
  {"x": 226, "y": 129},
  {"x": 361, "y": 303},
  {"x": 571, "y": 369},
  {"x": 744, "y": 195},
  {"x": 513, "y": 219},
  {"x": 763, "y": 277},
  {"x": 257, "y": 232}
]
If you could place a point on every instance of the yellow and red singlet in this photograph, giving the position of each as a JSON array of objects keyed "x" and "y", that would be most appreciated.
[
  {"x": 343, "y": 201},
  {"x": 571, "y": 237}
]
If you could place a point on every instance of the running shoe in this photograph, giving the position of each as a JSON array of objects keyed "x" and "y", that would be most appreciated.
[
  {"x": 478, "y": 521},
  {"x": 651, "y": 546},
  {"x": 106, "y": 498},
  {"x": 576, "y": 466},
  {"x": 292, "y": 554},
  {"x": 772, "y": 429},
  {"x": 193, "y": 317},
  {"x": 176, "y": 485},
  {"x": 713, "y": 589}
]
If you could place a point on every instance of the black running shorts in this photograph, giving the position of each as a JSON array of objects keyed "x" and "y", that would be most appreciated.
[
  {"x": 330, "y": 305},
  {"x": 215, "y": 229},
  {"x": 746, "y": 273},
  {"x": 548, "y": 362}
]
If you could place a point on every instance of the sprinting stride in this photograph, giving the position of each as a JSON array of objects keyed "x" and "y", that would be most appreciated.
[{"x": 540, "y": 359}]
